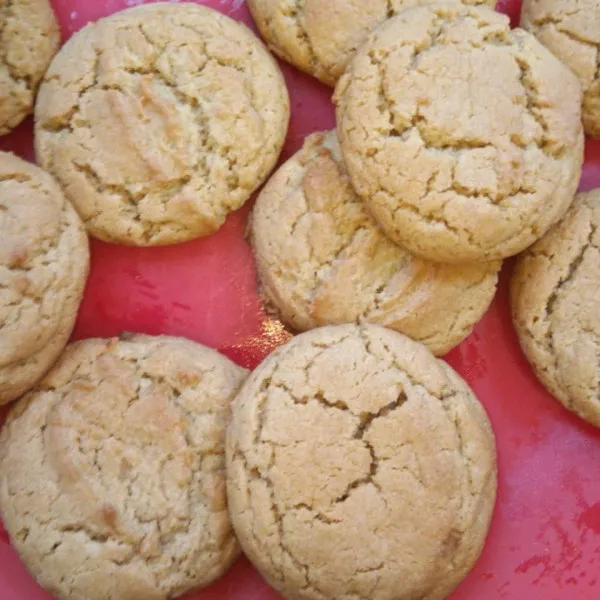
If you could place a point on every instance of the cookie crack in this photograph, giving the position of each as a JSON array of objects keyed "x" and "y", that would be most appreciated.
[
  {"x": 535, "y": 108},
  {"x": 549, "y": 308}
]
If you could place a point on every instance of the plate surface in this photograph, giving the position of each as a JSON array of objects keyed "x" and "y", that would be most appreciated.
[{"x": 545, "y": 538}]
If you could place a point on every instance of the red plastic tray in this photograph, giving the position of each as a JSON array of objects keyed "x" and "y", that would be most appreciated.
[{"x": 544, "y": 542}]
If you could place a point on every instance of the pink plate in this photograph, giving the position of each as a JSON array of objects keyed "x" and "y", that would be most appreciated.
[{"x": 545, "y": 539}]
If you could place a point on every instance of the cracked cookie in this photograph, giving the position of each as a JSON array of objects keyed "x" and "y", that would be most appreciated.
[
  {"x": 571, "y": 30},
  {"x": 320, "y": 37},
  {"x": 323, "y": 261},
  {"x": 463, "y": 138},
  {"x": 44, "y": 261},
  {"x": 554, "y": 296},
  {"x": 161, "y": 120},
  {"x": 359, "y": 466},
  {"x": 29, "y": 38},
  {"x": 112, "y": 477}
]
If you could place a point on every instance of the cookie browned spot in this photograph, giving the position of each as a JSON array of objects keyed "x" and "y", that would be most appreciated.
[
  {"x": 323, "y": 261},
  {"x": 161, "y": 120},
  {"x": 29, "y": 38},
  {"x": 360, "y": 466},
  {"x": 571, "y": 30},
  {"x": 321, "y": 36},
  {"x": 462, "y": 136},
  {"x": 44, "y": 260},
  {"x": 554, "y": 297},
  {"x": 112, "y": 479}
]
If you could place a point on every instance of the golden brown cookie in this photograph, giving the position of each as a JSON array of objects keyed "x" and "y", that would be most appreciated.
[
  {"x": 160, "y": 120},
  {"x": 359, "y": 466},
  {"x": 571, "y": 30},
  {"x": 322, "y": 260},
  {"x": 555, "y": 308},
  {"x": 112, "y": 477},
  {"x": 29, "y": 38},
  {"x": 463, "y": 138},
  {"x": 321, "y": 36},
  {"x": 44, "y": 261}
]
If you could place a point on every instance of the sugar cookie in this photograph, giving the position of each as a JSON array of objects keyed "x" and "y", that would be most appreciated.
[
  {"x": 112, "y": 477},
  {"x": 44, "y": 261},
  {"x": 323, "y": 261},
  {"x": 161, "y": 120},
  {"x": 359, "y": 466},
  {"x": 554, "y": 294},
  {"x": 462, "y": 136}
]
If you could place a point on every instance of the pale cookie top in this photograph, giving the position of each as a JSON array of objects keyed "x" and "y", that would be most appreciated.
[
  {"x": 29, "y": 38},
  {"x": 463, "y": 137},
  {"x": 571, "y": 30},
  {"x": 112, "y": 470},
  {"x": 44, "y": 261},
  {"x": 160, "y": 120},
  {"x": 555, "y": 308},
  {"x": 321, "y": 36},
  {"x": 360, "y": 467},
  {"x": 322, "y": 260}
]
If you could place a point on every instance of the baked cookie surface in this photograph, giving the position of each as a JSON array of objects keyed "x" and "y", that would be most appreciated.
[
  {"x": 44, "y": 262},
  {"x": 321, "y": 36},
  {"x": 161, "y": 120},
  {"x": 554, "y": 296},
  {"x": 29, "y": 38},
  {"x": 322, "y": 260},
  {"x": 359, "y": 466},
  {"x": 571, "y": 30},
  {"x": 112, "y": 470},
  {"x": 462, "y": 136}
]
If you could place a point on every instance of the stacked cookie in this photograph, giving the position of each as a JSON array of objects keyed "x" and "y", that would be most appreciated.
[{"x": 459, "y": 143}]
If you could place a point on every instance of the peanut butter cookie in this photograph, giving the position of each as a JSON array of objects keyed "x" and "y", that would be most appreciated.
[
  {"x": 555, "y": 308},
  {"x": 29, "y": 38},
  {"x": 112, "y": 477},
  {"x": 571, "y": 30},
  {"x": 323, "y": 261},
  {"x": 160, "y": 120},
  {"x": 462, "y": 136},
  {"x": 321, "y": 36},
  {"x": 44, "y": 261},
  {"x": 359, "y": 466}
]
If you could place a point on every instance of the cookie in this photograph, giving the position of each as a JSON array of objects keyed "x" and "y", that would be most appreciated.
[
  {"x": 554, "y": 297},
  {"x": 359, "y": 466},
  {"x": 29, "y": 38},
  {"x": 322, "y": 261},
  {"x": 303, "y": 35},
  {"x": 571, "y": 30},
  {"x": 44, "y": 261},
  {"x": 112, "y": 477},
  {"x": 463, "y": 138},
  {"x": 161, "y": 120}
]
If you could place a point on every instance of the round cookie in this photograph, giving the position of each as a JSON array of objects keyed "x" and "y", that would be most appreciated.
[
  {"x": 322, "y": 261},
  {"x": 571, "y": 30},
  {"x": 161, "y": 120},
  {"x": 463, "y": 138},
  {"x": 359, "y": 466},
  {"x": 29, "y": 38},
  {"x": 44, "y": 261},
  {"x": 302, "y": 33},
  {"x": 112, "y": 479},
  {"x": 554, "y": 296}
]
